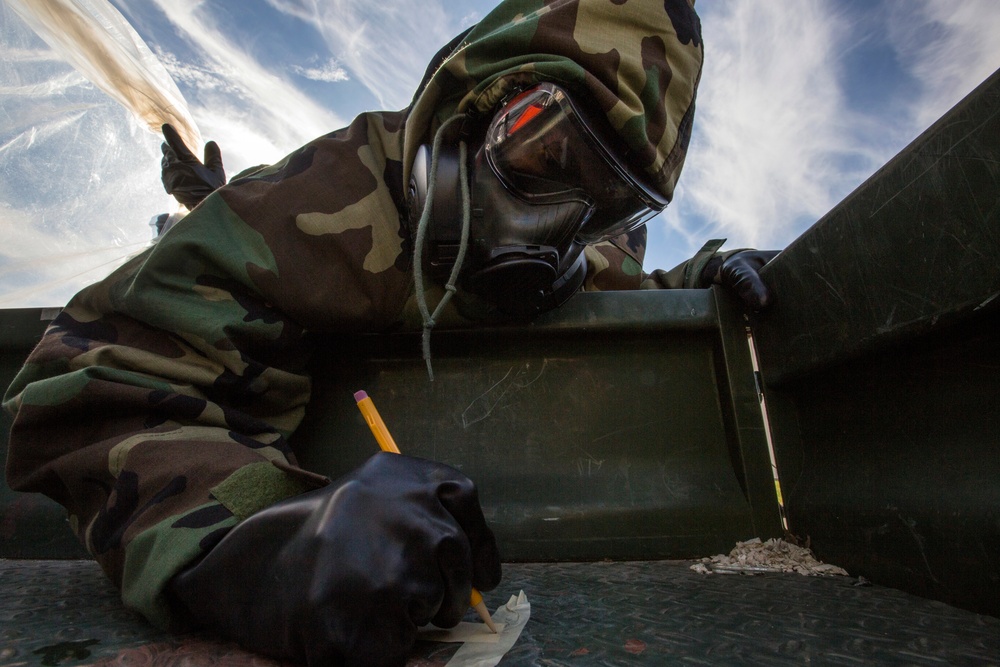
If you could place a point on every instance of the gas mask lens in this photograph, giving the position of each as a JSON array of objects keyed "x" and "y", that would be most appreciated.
[{"x": 545, "y": 152}]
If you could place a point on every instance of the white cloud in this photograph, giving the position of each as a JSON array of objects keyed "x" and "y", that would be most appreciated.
[
  {"x": 776, "y": 145},
  {"x": 198, "y": 77},
  {"x": 329, "y": 72},
  {"x": 772, "y": 126},
  {"x": 949, "y": 47},
  {"x": 384, "y": 45},
  {"x": 254, "y": 113}
]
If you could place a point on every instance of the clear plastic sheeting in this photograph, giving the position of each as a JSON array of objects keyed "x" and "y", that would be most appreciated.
[
  {"x": 79, "y": 175},
  {"x": 99, "y": 43}
]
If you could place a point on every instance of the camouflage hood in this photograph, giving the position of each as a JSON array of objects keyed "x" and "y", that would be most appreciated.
[{"x": 638, "y": 61}]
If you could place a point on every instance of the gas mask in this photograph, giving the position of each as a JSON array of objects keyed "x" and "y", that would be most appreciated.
[{"x": 543, "y": 184}]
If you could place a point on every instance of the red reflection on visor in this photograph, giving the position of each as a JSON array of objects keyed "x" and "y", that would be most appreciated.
[{"x": 525, "y": 118}]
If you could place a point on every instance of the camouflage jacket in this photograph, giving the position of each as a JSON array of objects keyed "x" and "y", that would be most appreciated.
[{"x": 158, "y": 405}]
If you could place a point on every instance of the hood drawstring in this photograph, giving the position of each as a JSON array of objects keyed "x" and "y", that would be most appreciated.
[{"x": 418, "y": 247}]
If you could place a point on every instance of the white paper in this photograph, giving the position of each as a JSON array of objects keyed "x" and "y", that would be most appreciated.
[
  {"x": 514, "y": 616},
  {"x": 463, "y": 632}
]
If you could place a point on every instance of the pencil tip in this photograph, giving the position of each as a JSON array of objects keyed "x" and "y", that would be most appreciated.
[{"x": 484, "y": 614}]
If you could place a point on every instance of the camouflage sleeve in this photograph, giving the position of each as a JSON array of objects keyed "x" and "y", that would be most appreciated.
[
  {"x": 157, "y": 443},
  {"x": 616, "y": 264},
  {"x": 688, "y": 274},
  {"x": 158, "y": 405},
  {"x": 141, "y": 456}
]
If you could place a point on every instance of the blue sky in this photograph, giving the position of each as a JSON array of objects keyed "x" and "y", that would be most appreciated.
[{"x": 800, "y": 102}]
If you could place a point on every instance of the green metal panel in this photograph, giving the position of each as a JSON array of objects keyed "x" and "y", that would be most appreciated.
[
  {"x": 623, "y": 425},
  {"x": 915, "y": 247},
  {"x": 31, "y": 526},
  {"x": 607, "y": 430},
  {"x": 626, "y": 425},
  {"x": 897, "y": 476},
  {"x": 649, "y": 613},
  {"x": 882, "y": 367},
  {"x": 750, "y": 446}
]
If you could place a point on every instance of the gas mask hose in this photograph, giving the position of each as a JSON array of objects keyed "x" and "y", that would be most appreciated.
[{"x": 418, "y": 247}]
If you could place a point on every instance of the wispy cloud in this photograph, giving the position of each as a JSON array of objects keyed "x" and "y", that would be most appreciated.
[
  {"x": 330, "y": 72},
  {"x": 949, "y": 47},
  {"x": 776, "y": 144},
  {"x": 384, "y": 45},
  {"x": 778, "y": 137},
  {"x": 254, "y": 112},
  {"x": 772, "y": 124}
]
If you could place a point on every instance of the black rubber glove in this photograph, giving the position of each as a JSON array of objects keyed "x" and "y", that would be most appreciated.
[
  {"x": 740, "y": 272},
  {"x": 345, "y": 574},
  {"x": 185, "y": 176}
]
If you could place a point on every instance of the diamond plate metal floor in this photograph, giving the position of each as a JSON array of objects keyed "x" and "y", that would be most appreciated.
[{"x": 64, "y": 613}]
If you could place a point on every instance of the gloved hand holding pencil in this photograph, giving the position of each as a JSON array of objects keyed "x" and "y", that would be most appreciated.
[{"x": 347, "y": 573}]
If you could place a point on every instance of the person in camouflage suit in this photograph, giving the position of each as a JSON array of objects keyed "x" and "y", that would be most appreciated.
[{"x": 158, "y": 406}]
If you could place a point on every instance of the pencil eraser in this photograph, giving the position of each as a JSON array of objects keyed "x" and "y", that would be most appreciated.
[{"x": 360, "y": 396}]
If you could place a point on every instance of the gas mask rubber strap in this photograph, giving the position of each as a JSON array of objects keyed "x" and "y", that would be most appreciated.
[{"x": 418, "y": 246}]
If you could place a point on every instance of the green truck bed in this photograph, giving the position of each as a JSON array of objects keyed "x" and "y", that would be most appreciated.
[
  {"x": 605, "y": 613},
  {"x": 626, "y": 434}
]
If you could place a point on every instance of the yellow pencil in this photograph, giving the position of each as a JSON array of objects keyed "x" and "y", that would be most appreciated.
[{"x": 387, "y": 444}]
